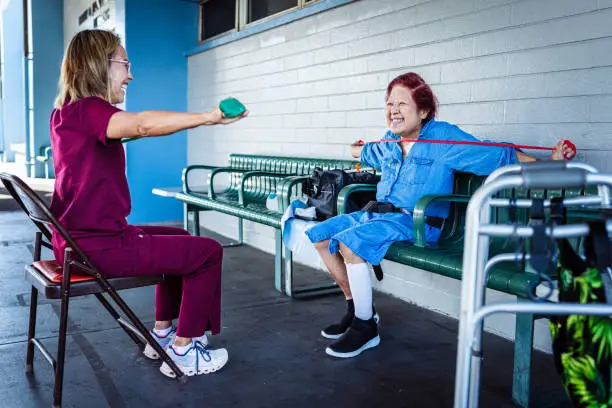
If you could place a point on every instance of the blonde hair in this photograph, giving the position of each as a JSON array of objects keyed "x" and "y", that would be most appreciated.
[{"x": 85, "y": 66}]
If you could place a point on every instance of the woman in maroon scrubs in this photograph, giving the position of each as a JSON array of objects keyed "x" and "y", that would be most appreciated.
[{"x": 91, "y": 199}]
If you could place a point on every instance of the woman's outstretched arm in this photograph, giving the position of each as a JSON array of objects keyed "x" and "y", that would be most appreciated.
[
  {"x": 161, "y": 123},
  {"x": 563, "y": 151}
]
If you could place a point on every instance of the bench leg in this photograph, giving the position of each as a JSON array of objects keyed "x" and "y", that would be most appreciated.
[
  {"x": 196, "y": 225},
  {"x": 186, "y": 217},
  {"x": 240, "y": 240},
  {"x": 306, "y": 291},
  {"x": 523, "y": 347},
  {"x": 196, "y": 222},
  {"x": 240, "y": 232},
  {"x": 288, "y": 270},
  {"x": 187, "y": 208},
  {"x": 278, "y": 260}
]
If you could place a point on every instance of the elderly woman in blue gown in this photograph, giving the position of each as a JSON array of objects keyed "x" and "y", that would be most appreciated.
[{"x": 346, "y": 243}]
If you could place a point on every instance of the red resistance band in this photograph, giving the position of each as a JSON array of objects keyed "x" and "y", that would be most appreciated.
[{"x": 462, "y": 142}]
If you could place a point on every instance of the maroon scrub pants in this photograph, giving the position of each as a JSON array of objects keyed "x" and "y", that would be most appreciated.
[{"x": 191, "y": 290}]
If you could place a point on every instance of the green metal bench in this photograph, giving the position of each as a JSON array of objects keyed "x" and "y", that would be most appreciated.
[
  {"x": 251, "y": 179},
  {"x": 446, "y": 258},
  {"x": 45, "y": 156}
]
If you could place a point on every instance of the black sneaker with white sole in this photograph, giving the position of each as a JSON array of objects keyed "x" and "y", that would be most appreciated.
[
  {"x": 360, "y": 336},
  {"x": 334, "y": 331}
]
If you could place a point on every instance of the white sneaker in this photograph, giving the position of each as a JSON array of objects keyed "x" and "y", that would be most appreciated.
[
  {"x": 197, "y": 360},
  {"x": 165, "y": 342}
]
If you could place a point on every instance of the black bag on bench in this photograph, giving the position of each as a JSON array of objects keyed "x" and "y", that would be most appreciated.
[{"x": 323, "y": 187}]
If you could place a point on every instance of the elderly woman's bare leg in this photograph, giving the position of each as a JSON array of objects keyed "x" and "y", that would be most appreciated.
[{"x": 335, "y": 266}]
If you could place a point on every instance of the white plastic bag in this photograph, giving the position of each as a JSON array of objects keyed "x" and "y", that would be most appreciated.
[{"x": 294, "y": 236}]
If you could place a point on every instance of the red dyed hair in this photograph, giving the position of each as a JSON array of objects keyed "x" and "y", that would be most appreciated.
[{"x": 422, "y": 95}]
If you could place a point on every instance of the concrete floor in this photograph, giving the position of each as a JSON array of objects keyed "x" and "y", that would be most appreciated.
[{"x": 277, "y": 356}]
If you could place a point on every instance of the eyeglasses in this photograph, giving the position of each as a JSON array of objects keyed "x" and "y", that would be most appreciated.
[{"x": 127, "y": 63}]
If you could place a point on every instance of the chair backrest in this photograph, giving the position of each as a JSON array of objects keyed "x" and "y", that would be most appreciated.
[{"x": 40, "y": 214}]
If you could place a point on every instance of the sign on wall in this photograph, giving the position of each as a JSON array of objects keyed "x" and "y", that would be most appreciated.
[
  {"x": 98, "y": 14},
  {"x": 88, "y": 14}
]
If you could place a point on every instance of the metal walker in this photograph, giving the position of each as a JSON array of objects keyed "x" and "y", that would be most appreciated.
[{"x": 479, "y": 230}]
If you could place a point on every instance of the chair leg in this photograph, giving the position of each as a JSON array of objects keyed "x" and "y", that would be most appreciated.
[
  {"x": 63, "y": 329},
  {"x": 523, "y": 347},
  {"x": 61, "y": 352},
  {"x": 140, "y": 327},
  {"x": 31, "y": 330}
]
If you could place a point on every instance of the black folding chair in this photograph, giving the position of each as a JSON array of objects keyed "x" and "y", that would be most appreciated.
[{"x": 76, "y": 277}]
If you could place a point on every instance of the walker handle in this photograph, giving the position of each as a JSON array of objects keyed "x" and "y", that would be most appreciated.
[
  {"x": 555, "y": 178},
  {"x": 545, "y": 165}
]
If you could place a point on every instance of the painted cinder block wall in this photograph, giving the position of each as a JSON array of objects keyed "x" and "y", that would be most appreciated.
[{"x": 531, "y": 71}]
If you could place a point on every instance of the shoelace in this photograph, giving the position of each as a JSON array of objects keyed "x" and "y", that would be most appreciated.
[{"x": 201, "y": 350}]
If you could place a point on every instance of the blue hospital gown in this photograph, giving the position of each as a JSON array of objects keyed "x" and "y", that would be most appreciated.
[{"x": 427, "y": 169}]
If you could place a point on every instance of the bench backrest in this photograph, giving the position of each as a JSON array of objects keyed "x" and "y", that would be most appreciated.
[
  {"x": 501, "y": 215},
  {"x": 258, "y": 188},
  {"x": 454, "y": 228},
  {"x": 467, "y": 183}
]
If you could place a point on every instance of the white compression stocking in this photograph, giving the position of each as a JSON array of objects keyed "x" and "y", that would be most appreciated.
[{"x": 361, "y": 288}]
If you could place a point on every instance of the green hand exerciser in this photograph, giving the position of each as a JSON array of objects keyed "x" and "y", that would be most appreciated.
[{"x": 232, "y": 107}]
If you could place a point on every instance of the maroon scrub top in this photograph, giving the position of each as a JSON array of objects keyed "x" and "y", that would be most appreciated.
[{"x": 91, "y": 198}]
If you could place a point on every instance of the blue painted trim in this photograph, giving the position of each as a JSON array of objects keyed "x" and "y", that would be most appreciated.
[{"x": 272, "y": 23}]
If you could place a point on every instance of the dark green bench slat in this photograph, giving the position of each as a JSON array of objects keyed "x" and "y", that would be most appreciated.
[
  {"x": 252, "y": 212},
  {"x": 448, "y": 261}
]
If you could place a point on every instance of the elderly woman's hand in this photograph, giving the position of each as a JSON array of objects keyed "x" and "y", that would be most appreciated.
[
  {"x": 565, "y": 150},
  {"x": 356, "y": 148}
]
